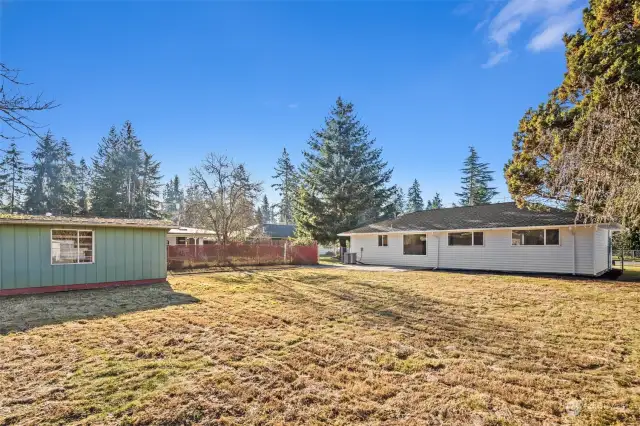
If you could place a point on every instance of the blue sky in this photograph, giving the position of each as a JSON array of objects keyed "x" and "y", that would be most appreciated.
[{"x": 428, "y": 78}]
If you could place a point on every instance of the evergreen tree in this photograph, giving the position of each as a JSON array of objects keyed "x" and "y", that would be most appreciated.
[
  {"x": 147, "y": 202},
  {"x": 108, "y": 177},
  {"x": 172, "y": 197},
  {"x": 399, "y": 203},
  {"x": 83, "y": 183},
  {"x": 414, "y": 198},
  {"x": 476, "y": 178},
  {"x": 45, "y": 171},
  {"x": 582, "y": 142},
  {"x": 435, "y": 203},
  {"x": 343, "y": 176},
  {"x": 12, "y": 172},
  {"x": 266, "y": 211},
  {"x": 64, "y": 189},
  {"x": 126, "y": 179},
  {"x": 259, "y": 217},
  {"x": 131, "y": 162},
  {"x": 286, "y": 186}
]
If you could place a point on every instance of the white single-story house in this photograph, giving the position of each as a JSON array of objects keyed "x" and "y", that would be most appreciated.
[
  {"x": 190, "y": 236},
  {"x": 492, "y": 237}
]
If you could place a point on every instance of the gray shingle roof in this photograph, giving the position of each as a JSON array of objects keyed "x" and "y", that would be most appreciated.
[
  {"x": 499, "y": 215},
  {"x": 16, "y": 219}
]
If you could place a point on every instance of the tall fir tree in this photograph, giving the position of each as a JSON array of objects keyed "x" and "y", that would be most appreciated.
[
  {"x": 415, "y": 203},
  {"x": 147, "y": 202},
  {"x": 344, "y": 179},
  {"x": 83, "y": 184},
  {"x": 476, "y": 178},
  {"x": 173, "y": 197},
  {"x": 259, "y": 217},
  {"x": 131, "y": 161},
  {"x": 435, "y": 203},
  {"x": 266, "y": 210},
  {"x": 126, "y": 179},
  {"x": 286, "y": 186},
  {"x": 12, "y": 174},
  {"x": 399, "y": 202},
  {"x": 64, "y": 188},
  {"x": 108, "y": 177},
  {"x": 45, "y": 171}
]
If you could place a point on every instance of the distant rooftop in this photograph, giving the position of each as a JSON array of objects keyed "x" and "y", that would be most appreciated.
[
  {"x": 275, "y": 230},
  {"x": 19, "y": 219},
  {"x": 190, "y": 231}
]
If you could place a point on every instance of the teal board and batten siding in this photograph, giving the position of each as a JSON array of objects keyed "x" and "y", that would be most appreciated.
[{"x": 121, "y": 254}]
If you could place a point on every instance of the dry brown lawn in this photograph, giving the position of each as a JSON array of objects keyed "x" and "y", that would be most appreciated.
[{"x": 325, "y": 346}]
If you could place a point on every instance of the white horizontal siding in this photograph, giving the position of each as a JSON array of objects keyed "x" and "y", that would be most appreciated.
[
  {"x": 368, "y": 251},
  {"x": 601, "y": 250},
  {"x": 497, "y": 253}
]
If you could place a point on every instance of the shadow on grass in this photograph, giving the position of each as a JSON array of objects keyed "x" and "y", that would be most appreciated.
[
  {"x": 379, "y": 306},
  {"x": 22, "y": 313}
]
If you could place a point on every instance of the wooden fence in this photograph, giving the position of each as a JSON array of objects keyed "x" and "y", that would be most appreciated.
[{"x": 269, "y": 253}]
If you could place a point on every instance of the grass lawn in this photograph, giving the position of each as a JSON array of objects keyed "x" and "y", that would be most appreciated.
[{"x": 323, "y": 345}]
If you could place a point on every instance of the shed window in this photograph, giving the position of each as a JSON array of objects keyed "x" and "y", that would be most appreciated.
[
  {"x": 383, "y": 241},
  {"x": 466, "y": 238},
  {"x": 536, "y": 237},
  {"x": 180, "y": 241},
  {"x": 415, "y": 244},
  {"x": 71, "y": 246}
]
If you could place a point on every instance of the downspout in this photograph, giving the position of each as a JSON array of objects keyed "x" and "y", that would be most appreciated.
[
  {"x": 593, "y": 251},
  {"x": 573, "y": 232},
  {"x": 437, "y": 250}
]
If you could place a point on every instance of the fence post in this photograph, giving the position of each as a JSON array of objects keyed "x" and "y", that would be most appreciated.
[
  {"x": 286, "y": 244},
  {"x": 258, "y": 252}
]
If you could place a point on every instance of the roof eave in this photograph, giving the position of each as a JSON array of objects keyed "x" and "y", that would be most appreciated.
[
  {"x": 409, "y": 231},
  {"x": 69, "y": 223}
]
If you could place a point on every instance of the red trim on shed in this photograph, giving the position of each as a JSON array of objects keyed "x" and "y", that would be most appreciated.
[{"x": 88, "y": 286}]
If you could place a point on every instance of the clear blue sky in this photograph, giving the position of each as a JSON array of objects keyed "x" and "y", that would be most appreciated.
[{"x": 428, "y": 78}]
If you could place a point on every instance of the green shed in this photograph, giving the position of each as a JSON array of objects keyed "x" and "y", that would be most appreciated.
[{"x": 40, "y": 254}]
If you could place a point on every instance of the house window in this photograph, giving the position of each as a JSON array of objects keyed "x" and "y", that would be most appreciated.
[
  {"x": 415, "y": 244},
  {"x": 536, "y": 237},
  {"x": 383, "y": 241},
  {"x": 180, "y": 241},
  {"x": 71, "y": 246},
  {"x": 466, "y": 238},
  {"x": 478, "y": 238},
  {"x": 552, "y": 237}
]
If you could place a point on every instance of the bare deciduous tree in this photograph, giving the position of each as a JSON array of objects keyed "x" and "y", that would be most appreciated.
[
  {"x": 15, "y": 107},
  {"x": 222, "y": 197}
]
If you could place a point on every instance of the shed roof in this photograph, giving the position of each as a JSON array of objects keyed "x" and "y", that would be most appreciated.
[
  {"x": 488, "y": 216},
  {"x": 17, "y": 219}
]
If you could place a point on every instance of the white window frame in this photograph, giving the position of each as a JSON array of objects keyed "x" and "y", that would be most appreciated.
[
  {"x": 544, "y": 236},
  {"x": 426, "y": 245},
  {"x": 473, "y": 241},
  {"x": 381, "y": 239},
  {"x": 93, "y": 246}
]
